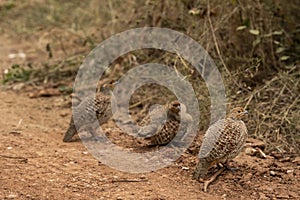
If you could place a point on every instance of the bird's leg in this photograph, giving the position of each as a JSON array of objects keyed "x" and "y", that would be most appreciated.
[
  {"x": 94, "y": 135},
  {"x": 212, "y": 178},
  {"x": 97, "y": 137},
  {"x": 222, "y": 167},
  {"x": 92, "y": 130}
]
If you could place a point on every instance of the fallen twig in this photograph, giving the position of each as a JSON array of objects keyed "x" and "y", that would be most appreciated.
[
  {"x": 23, "y": 159},
  {"x": 140, "y": 102},
  {"x": 129, "y": 180}
]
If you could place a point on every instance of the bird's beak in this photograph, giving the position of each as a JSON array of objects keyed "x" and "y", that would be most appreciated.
[
  {"x": 115, "y": 83},
  {"x": 245, "y": 112}
]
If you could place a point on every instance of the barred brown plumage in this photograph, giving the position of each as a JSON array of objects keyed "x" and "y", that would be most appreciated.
[
  {"x": 222, "y": 142},
  {"x": 163, "y": 135},
  {"x": 88, "y": 111}
]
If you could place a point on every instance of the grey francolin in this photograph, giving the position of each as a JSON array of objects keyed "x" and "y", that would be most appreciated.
[
  {"x": 89, "y": 111},
  {"x": 164, "y": 134},
  {"x": 222, "y": 142}
]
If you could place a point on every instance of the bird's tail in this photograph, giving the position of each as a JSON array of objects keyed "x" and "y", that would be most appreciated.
[
  {"x": 70, "y": 132},
  {"x": 151, "y": 141},
  {"x": 201, "y": 169}
]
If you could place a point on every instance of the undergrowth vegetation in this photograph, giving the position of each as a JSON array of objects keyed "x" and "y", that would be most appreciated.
[{"x": 255, "y": 44}]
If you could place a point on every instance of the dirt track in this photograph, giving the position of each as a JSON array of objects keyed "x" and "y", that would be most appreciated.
[{"x": 36, "y": 164}]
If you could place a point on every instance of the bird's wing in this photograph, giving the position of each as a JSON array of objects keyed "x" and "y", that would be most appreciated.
[
  {"x": 153, "y": 122},
  {"x": 220, "y": 139}
]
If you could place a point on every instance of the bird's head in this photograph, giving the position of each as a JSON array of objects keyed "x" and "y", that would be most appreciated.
[
  {"x": 175, "y": 106},
  {"x": 108, "y": 86},
  {"x": 237, "y": 113},
  {"x": 174, "y": 109}
]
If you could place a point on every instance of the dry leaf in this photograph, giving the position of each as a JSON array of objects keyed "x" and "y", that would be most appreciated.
[
  {"x": 241, "y": 28},
  {"x": 254, "y": 31}
]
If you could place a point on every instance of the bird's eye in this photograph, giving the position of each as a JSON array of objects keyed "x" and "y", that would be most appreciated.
[{"x": 239, "y": 111}]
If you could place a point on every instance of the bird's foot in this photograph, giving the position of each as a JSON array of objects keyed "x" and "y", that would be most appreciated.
[
  {"x": 231, "y": 169},
  {"x": 211, "y": 179},
  {"x": 97, "y": 137},
  {"x": 226, "y": 166}
]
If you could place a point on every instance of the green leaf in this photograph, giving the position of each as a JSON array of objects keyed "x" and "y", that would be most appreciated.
[
  {"x": 246, "y": 22},
  {"x": 16, "y": 74}
]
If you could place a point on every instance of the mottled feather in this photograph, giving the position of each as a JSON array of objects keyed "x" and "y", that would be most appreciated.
[
  {"x": 163, "y": 128},
  {"x": 89, "y": 111},
  {"x": 222, "y": 142}
]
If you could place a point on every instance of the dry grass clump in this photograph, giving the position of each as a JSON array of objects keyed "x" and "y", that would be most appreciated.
[{"x": 274, "y": 111}]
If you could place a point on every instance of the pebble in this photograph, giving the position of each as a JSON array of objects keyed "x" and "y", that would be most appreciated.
[
  {"x": 142, "y": 177},
  {"x": 272, "y": 173},
  {"x": 250, "y": 151},
  {"x": 12, "y": 196},
  {"x": 19, "y": 86}
]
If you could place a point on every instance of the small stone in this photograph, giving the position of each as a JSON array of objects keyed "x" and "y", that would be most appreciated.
[
  {"x": 224, "y": 196},
  {"x": 142, "y": 177},
  {"x": 250, "y": 151},
  {"x": 9, "y": 148},
  {"x": 18, "y": 86},
  {"x": 272, "y": 173},
  {"x": 12, "y": 196}
]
